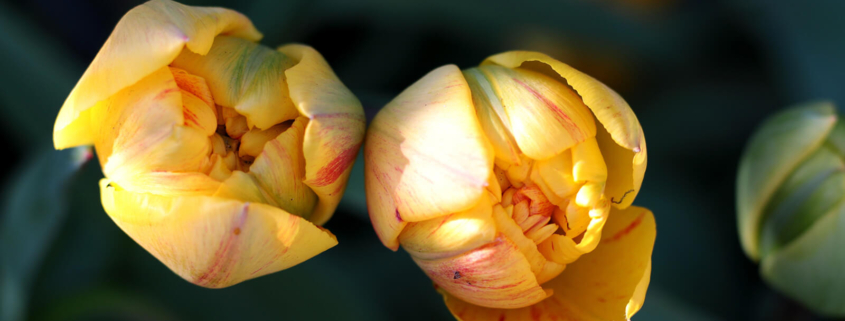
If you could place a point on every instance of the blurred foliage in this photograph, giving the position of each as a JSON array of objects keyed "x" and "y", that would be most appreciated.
[{"x": 699, "y": 74}]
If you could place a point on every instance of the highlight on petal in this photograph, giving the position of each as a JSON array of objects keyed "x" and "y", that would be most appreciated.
[
  {"x": 242, "y": 240},
  {"x": 148, "y": 38},
  {"x": 426, "y": 154},
  {"x": 452, "y": 234},
  {"x": 335, "y": 128},
  {"x": 774, "y": 151},
  {"x": 606, "y": 284}
]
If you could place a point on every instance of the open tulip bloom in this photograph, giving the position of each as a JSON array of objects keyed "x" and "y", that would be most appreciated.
[
  {"x": 510, "y": 185},
  {"x": 222, "y": 157}
]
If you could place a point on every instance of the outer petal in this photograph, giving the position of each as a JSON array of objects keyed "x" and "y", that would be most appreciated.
[
  {"x": 495, "y": 274},
  {"x": 147, "y": 38},
  {"x": 452, "y": 234},
  {"x": 780, "y": 144},
  {"x": 238, "y": 242},
  {"x": 335, "y": 130},
  {"x": 629, "y": 158},
  {"x": 606, "y": 284},
  {"x": 426, "y": 154}
]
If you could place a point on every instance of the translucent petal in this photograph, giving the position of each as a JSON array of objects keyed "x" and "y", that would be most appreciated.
[
  {"x": 335, "y": 128},
  {"x": 545, "y": 116}
]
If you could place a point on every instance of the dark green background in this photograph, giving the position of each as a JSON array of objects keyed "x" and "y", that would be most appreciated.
[{"x": 699, "y": 74}]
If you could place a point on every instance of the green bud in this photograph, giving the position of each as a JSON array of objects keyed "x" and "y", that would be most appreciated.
[{"x": 791, "y": 205}]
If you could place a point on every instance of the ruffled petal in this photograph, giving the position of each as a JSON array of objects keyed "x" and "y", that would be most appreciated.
[
  {"x": 426, "y": 154},
  {"x": 625, "y": 148},
  {"x": 147, "y": 38},
  {"x": 240, "y": 241},
  {"x": 606, "y": 284},
  {"x": 335, "y": 130}
]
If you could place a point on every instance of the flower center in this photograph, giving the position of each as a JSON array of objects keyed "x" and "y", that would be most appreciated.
[{"x": 234, "y": 143}]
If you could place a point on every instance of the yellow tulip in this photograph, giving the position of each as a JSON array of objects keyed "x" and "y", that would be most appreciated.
[
  {"x": 222, "y": 157},
  {"x": 510, "y": 185}
]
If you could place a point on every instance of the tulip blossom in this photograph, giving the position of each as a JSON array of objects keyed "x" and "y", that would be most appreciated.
[
  {"x": 222, "y": 157},
  {"x": 791, "y": 205},
  {"x": 510, "y": 185}
]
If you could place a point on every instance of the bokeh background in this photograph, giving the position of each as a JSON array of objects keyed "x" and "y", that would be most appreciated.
[{"x": 700, "y": 74}]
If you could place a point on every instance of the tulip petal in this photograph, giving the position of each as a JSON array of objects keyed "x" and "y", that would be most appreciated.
[
  {"x": 777, "y": 147},
  {"x": 606, "y": 284},
  {"x": 146, "y": 39},
  {"x": 245, "y": 76},
  {"x": 426, "y": 154},
  {"x": 452, "y": 234},
  {"x": 496, "y": 274},
  {"x": 623, "y": 147},
  {"x": 625, "y": 169},
  {"x": 492, "y": 116},
  {"x": 280, "y": 171},
  {"x": 214, "y": 242},
  {"x": 810, "y": 268},
  {"x": 335, "y": 129},
  {"x": 544, "y": 116}
]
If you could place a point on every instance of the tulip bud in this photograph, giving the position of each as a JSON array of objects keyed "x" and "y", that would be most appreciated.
[
  {"x": 500, "y": 180},
  {"x": 222, "y": 157},
  {"x": 791, "y": 214}
]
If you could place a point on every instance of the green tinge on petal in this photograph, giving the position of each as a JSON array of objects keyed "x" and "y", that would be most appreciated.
[
  {"x": 809, "y": 192},
  {"x": 774, "y": 151},
  {"x": 810, "y": 268},
  {"x": 245, "y": 76}
]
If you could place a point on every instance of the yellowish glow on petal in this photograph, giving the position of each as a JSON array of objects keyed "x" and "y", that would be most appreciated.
[
  {"x": 426, "y": 155},
  {"x": 147, "y": 38}
]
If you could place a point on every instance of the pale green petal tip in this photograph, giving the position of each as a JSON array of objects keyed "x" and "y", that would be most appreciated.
[{"x": 777, "y": 147}]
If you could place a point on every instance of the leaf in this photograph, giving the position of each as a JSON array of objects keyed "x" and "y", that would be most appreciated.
[{"x": 32, "y": 211}]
